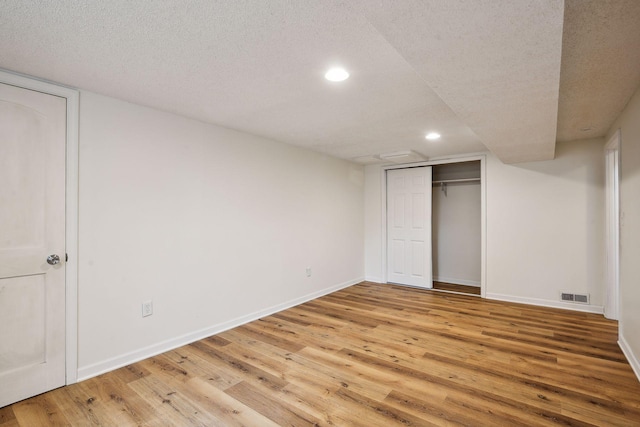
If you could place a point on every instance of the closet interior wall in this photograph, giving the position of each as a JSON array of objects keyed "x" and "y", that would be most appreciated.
[{"x": 456, "y": 223}]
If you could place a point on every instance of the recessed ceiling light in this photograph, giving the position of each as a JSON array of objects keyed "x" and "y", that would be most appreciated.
[
  {"x": 432, "y": 136},
  {"x": 336, "y": 74}
]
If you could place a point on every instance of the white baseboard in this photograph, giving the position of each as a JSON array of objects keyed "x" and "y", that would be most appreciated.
[
  {"x": 628, "y": 353},
  {"x": 374, "y": 279},
  {"x": 113, "y": 363},
  {"x": 456, "y": 281},
  {"x": 548, "y": 303}
]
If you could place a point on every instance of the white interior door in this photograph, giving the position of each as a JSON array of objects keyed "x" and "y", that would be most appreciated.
[
  {"x": 32, "y": 227},
  {"x": 409, "y": 226}
]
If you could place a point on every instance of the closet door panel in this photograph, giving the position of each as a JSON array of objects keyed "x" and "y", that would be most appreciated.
[{"x": 409, "y": 226}]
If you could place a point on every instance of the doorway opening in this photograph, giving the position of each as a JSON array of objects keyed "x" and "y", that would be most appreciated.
[
  {"x": 456, "y": 227},
  {"x": 453, "y": 255}
]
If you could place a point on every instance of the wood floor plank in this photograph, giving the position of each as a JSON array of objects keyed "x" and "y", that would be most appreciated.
[
  {"x": 322, "y": 367},
  {"x": 369, "y": 355},
  {"x": 171, "y": 406},
  {"x": 276, "y": 410},
  {"x": 110, "y": 401},
  {"x": 225, "y": 410},
  {"x": 259, "y": 360},
  {"x": 255, "y": 331},
  {"x": 443, "y": 411},
  {"x": 7, "y": 417},
  {"x": 201, "y": 367},
  {"x": 304, "y": 395},
  {"x": 39, "y": 411},
  {"x": 375, "y": 412},
  {"x": 246, "y": 370},
  {"x": 77, "y": 404}
]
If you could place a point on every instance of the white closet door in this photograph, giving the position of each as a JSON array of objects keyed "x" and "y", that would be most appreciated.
[{"x": 409, "y": 226}]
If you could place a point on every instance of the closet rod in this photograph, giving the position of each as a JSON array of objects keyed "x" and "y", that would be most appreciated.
[{"x": 446, "y": 181}]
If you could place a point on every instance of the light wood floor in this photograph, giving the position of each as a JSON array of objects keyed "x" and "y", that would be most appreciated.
[{"x": 369, "y": 355}]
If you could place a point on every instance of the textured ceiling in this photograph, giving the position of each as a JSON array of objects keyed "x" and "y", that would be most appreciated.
[
  {"x": 600, "y": 65},
  {"x": 485, "y": 74}
]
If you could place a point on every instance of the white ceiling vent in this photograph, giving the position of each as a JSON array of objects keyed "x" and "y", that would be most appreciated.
[
  {"x": 367, "y": 160},
  {"x": 406, "y": 156}
]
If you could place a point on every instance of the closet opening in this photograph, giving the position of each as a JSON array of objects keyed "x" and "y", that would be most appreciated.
[{"x": 456, "y": 227}]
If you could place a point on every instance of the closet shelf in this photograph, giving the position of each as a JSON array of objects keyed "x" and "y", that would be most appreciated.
[{"x": 447, "y": 181}]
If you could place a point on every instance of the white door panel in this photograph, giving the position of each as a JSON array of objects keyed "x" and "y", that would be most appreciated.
[
  {"x": 417, "y": 261},
  {"x": 397, "y": 252},
  {"x": 409, "y": 226},
  {"x": 32, "y": 227}
]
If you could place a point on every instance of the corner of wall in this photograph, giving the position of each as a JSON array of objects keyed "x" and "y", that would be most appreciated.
[{"x": 628, "y": 353}]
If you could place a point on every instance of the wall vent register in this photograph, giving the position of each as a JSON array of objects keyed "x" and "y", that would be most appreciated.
[{"x": 579, "y": 298}]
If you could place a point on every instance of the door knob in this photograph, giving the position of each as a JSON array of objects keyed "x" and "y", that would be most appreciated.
[{"x": 53, "y": 259}]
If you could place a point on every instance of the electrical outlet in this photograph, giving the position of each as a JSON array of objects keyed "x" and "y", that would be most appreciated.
[
  {"x": 147, "y": 308},
  {"x": 308, "y": 271}
]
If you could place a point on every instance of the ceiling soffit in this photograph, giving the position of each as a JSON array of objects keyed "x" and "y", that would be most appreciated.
[
  {"x": 495, "y": 63},
  {"x": 600, "y": 65}
]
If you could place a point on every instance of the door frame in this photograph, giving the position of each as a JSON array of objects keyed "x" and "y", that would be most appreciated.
[
  {"x": 483, "y": 209},
  {"x": 612, "y": 226},
  {"x": 71, "y": 209}
]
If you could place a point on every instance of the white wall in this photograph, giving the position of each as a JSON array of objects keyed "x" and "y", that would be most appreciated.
[
  {"x": 457, "y": 234},
  {"x": 374, "y": 202},
  {"x": 215, "y": 226},
  {"x": 545, "y": 227},
  {"x": 629, "y": 324}
]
